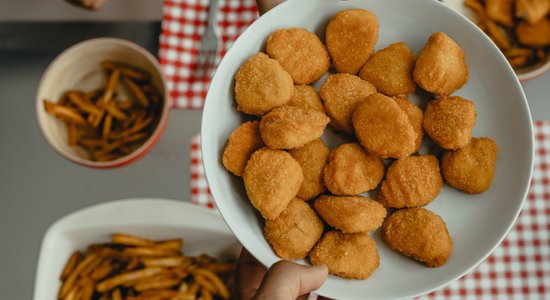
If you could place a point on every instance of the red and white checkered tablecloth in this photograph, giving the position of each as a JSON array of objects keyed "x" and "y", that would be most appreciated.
[
  {"x": 518, "y": 269},
  {"x": 183, "y": 23}
]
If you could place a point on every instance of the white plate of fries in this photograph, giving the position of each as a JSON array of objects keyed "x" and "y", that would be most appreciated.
[{"x": 132, "y": 249}]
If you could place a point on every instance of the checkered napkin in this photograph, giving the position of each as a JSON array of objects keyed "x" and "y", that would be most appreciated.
[
  {"x": 183, "y": 23},
  {"x": 518, "y": 269}
]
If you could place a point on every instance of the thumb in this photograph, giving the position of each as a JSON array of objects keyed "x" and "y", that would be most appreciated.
[{"x": 288, "y": 280}]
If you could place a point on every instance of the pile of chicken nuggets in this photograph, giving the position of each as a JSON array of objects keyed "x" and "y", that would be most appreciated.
[{"x": 312, "y": 197}]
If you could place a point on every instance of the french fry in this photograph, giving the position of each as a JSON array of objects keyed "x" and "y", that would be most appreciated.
[
  {"x": 206, "y": 295},
  {"x": 163, "y": 261},
  {"x": 148, "y": 251},
  {"x": 154, "y": 295},
  {"x": 70, "y": 282},
  {"x": 87, "y": 288},
  {"x": 194, "y": 288},
  {"x": 130, "y": 240},
  {"x": 133, "y": 264},
  {"x": 175, "y": 244},
  {"x": 111, "y": 86},
  {"x": 125, "y": 104},
  {"x": 107, "y": 124},
  {"x": 204, "y": 283},
  {"x": 498, "y": 35},
  {"x": 106, "y": 268},
  {"x": 112, "y": 110},
  {"x": 65, "y": 113},
  {"x": 136, "y": 91},
  {"x": 82, "y": 104},
  {"x": 184, "y": 287},
  {"x": 126, "y": 70},
  {"x": 181, "y": 295},
  {"x": 71, "y": 264},
  {"x": 115, "y": 281},
  {"x": 156, "y": 283},
  {"x": 116, "y": 295},
  {"x": 73, "y": 294},
  {"x": 72, "y": 134},
  {"x": 96, "y": 261},
  {"x": 219, "y": 287}
]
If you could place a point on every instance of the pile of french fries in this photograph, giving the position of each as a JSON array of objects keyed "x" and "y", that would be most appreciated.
[
  {"x": 520, "y": 28},
  {"x": 106, "y": 126},
  {"x": 135, "y": 268}
]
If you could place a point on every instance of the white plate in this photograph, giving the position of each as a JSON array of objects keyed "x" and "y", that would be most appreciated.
[
  {"x": 477, "y": 223},
  {"x": 202, "y": 230}
]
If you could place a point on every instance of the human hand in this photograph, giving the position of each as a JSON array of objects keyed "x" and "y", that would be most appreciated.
[
  {"x": 284, "y": 280},
  {"x": 265, "y": 5}
]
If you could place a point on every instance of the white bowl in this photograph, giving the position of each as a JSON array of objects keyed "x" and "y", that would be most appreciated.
[
  {"x": 477, "y": 223},
  {"x": 202, "y": 230},
  {"x": 79, "y": 67},
  {"x": 524, "y": 74}
]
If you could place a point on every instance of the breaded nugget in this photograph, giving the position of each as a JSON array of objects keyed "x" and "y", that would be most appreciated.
[
  {"x": 351, "y": 36},
  {"x": 536, "y": 35},
  {"x": 305, "y": 96},
  {"x": 420, "y": 234},
  {"x": 241, "y": 143},
  {"x": 471, "y": 169},
  {"x": 348, "y": 255},
  {"x": 411, "y": 181},
  {"x": 449, "y": 121},
  {"x": 350, "y": 214},
  {"x": 351, "y": 170},
  {"x": 441, "y": 66},
  {"x": 390, "y": 70},
  {"x": 289, "y": 127},
  {"x": 261, "y": 84},
  {"x": 295, "y": 231},
  {"x": 272, "y": 178},
  {"x": 341, "y": 93},
  {"x": 300, "y": 52},
  {"x": 416, "y": 117},
  {"x": 313, "y": 158},
  {"x": 383, "y": 128}
]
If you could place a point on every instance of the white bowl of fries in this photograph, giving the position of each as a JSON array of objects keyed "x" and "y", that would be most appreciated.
[
  {"x": 102, "y": 103},
  {"x": 127, "y": 248}
]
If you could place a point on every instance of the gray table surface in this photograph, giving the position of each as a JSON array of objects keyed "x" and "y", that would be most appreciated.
[{"x": 37, "y": 186}]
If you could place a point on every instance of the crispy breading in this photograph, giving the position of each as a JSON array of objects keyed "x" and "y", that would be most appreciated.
[
  {"x": 271, "y": 178},
  {"x": 411, "y": 182},
  {"x": 350, "y": 214},
  {"x": 300, "y": 52},
  {"x": 449, "y": 121},
  {"x": 313, "y": 158},
  {"x": 348, "y": 255},
  {"x": 351, "y": 170},
  {"x": 420, "y": 234},
  {"x": 416, "y": 116},
  {"x": 241, "y": 143},
  {"x": 262, "y": 84},
  {"x": 472, "y": 168},
  {"x": 305, "y": 96},
  {"x": 390, "y": 70}
]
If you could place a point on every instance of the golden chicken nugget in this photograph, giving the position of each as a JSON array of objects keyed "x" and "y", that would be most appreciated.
[
  {"x": 383, "y": 128},
  {"x": 350, "y": 37},
  {"x": 536, "y": 35},
  {"x": 348, "y": 255},
  {"x": 420, "y": 234},
  {"x": 416, "y": 117},
  {"x": 471, "y": 169},
  {"x": 441, "y": 66},
  {"x": 449, "y": 121},
  {"x": 411, "y": 182},
  {"x": 241, "y": 143},
  {"x": 341, "y": 93},
  {"x": 295, "y": 231},
  {"x": 350, "y": 214},
  {"x": 300, "y": 52},
  {"x": 305, "y": 96},
  {"x": 351, "y": 170},
  {"x": 390, "y": 70},
  {"x": 261, "y": 84},
  {"x": 289, "y": 127},
  {"x": 271, "y": 178},
  {"x": 313, "y": 158}
]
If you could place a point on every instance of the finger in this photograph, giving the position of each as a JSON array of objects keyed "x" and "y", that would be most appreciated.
[
  {"x": 287, "y": 280},
  {"x": 250, "y": 274},
  {"x": 266, "y": 5}
]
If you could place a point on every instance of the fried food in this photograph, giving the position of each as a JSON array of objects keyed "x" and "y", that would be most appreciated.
[
  {"x": 295, "y": 231},
  {"x": 348, "y": 255},
  {"x": 471, "y": 169},
  {"x": 534, "y": 35},
  {"x": 420, "y": 234},
  {"x": 449, "y": 121},
  {"x": 242, "y": 142},
  {"x": 313, "y": 158},
  {"x": 532, "y": 11},
  {"x": 383, "y": 128},
  {"x": 289, "y": 127},
  {"x": 272, "y": 178},
  {"x": 500, "y": 11},
  {"x": 499, "y": 35},
  {"x": 351, "y": 170},
  {"x": 262, "y": 84},
  {"x": 416, "y": 116},
  {"x": 350, "y": 214},
  {"x": 350, "y": 37},
  {"x": 411, "y": 182},
  {"x": 300, "y": 52},
  {"x": 390, "y": 70},
  {"x": 441, "y": 66},
  {"x": 341, "y": 93},
  {"x": 305, "y": 96}
]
